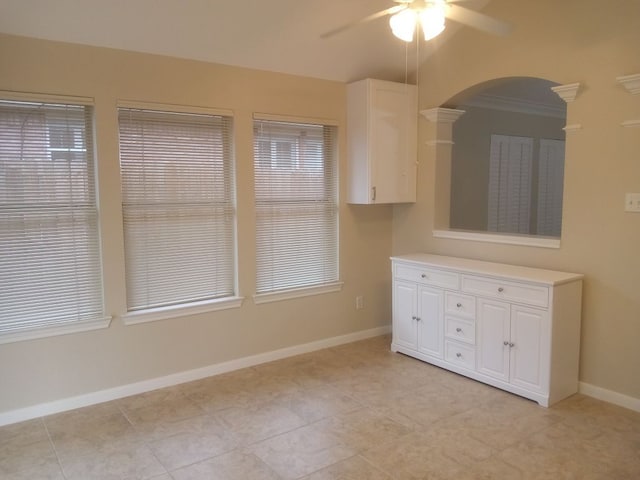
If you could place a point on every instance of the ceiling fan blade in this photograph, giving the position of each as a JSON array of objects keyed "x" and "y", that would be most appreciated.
[
  {"x": 476, "y": 20},
  {"x": 368, "y": 18}
]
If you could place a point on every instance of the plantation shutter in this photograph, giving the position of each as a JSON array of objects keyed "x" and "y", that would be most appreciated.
[
  {"x": 178, "y": 207},
  {"x": 550, "y": 187},
  {"x": 510, "y": 184},
  {"x": 295, "y": 168},
  {"x": 50, "y": 270}
]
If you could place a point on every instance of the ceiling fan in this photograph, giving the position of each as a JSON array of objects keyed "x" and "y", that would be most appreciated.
[{"x": 430, "y": 15}]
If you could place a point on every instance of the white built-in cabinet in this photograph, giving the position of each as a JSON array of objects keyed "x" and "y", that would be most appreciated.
[
  {"x": 513, "y": 327},
  {"x": 381, "y": 141}
]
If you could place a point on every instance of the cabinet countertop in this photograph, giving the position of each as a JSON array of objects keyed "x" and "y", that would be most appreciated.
[{"x": 499, "y": 270}]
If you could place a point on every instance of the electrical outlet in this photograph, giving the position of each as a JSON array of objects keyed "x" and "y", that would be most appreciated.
[
  {"x": 632, "y": 202},
  {"x": 359, "y": 302}
]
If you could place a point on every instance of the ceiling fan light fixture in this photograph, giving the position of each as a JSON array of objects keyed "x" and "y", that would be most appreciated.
[
  {"x": 403, "y": 24},
  {"x": 432, "y": 20}
]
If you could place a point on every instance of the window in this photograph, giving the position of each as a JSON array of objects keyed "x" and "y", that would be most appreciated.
[
  {"x": 295, "y": 169},
  {"x": 178, "y": 207},
  {"x": 50, "y": 275}
]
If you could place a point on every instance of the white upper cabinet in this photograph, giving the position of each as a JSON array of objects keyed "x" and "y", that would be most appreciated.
[{"x": 382, "y": 142}]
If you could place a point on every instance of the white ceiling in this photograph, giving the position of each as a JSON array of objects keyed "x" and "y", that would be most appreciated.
[{"x": 274, "y": 35}]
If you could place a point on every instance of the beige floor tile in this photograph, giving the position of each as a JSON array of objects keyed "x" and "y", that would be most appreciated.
[
  {"x": 84, "y": 435},
  {"x": 167, "y": 404},
  {"x": 189, "y": 441},
  {"x": 235, "y": 465},
  {"x": 29, "y": 460},
  {"x": 363, "y": 429},
  {"x": 412, "y": 458},
  {"x": 318, "y": 402},
  {"x": 130, "y": 462},
  {"x": 14, "y": 436},
  {"x": 353, "y": 468},
  {"x": 300, "y": 452},
  {"x": 255, "y": 423},
  {"x": 491, "y": 469}
]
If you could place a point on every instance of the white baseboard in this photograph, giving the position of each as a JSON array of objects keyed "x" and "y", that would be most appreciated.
[
  {"x": 610, "y": 396},
  {"x": 57, "y": 406}
]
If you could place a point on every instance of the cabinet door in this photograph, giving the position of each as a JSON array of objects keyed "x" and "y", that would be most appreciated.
[
  {"x": 431, "y": 321},
  {"x": 404, "y": 314},
  {"x": 492, "y": 333},
  {"x": 529, "y": 334},
  {"x": 393, "y": 142}
]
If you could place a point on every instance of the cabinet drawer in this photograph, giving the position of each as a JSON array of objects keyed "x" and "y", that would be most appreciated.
[
  {"x": 427, "y": 276},
  {"x": 459, "y": 329},
  {"x": 462, "y": 305},
  {"x": 508, "y": 291},
  {"x": 460, "y": 354}
]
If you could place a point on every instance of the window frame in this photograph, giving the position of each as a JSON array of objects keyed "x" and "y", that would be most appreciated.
[
  {"x": 297, "y": 291},
  {"x": 101, "y": 320},
  {"x": 189, "y": 307}
]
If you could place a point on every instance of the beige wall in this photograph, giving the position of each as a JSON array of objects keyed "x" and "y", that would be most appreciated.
[
  {"x": 33, "y": 372},
  {"x": 471, "y": 159},
  {"x": 590, "y": 42}
]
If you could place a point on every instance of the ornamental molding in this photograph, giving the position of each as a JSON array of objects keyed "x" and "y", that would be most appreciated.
[
  {"x": 631, "y": 83},
  {"x": 567, "y": 92},
  {"x": 442, "y": 115}
]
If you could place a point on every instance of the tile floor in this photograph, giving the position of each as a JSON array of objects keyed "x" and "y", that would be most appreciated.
[{"x": 352, "y": 412}]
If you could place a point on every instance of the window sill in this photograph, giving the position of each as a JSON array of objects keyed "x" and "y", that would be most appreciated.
[
  {"x": 76, "y": 327},
  {"x": 524, "y": 240},
  {"x": 182, "y": 310},
  {"x": 259, "y": 298}
]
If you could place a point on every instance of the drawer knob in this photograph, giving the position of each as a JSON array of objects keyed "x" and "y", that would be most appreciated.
[
  {"x": 458, "y": 305},
  {"x": 500, "y": 289},
  {"x": 424, "y": 275},
  {"x": 458, "y": 330},
  {"x": 458, "y": 355}
]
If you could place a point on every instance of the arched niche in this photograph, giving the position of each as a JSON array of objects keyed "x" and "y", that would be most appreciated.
[{"x": 480, "y": 185}]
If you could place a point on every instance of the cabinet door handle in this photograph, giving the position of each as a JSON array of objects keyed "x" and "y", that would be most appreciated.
[
  {"x": 458, "y": 330},
  {"x": 414, "y": 317},
  {"x": 458, "y": 355},
  {"x": 424, "y": 275},
  {"x": 505, "y": 343},
  {"x": 417, "y": 319},
  {"x": 373, "y": 194},
  {"x": 458, "y": 305},
  {"x": 511, "y": 345},
  {"x": 500, "y": 289}
]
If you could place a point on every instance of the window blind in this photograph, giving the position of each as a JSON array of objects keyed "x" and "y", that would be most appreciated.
[
  {"x": 178, "y": 207},
  {"x": 295, "y": 168},
  {"x": 50, "y": 271}
]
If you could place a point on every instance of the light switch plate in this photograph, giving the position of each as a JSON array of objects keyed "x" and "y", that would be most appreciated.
[{"x": 632, "y": 202}]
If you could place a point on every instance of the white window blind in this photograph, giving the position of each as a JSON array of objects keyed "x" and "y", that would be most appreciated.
[
  {"x": 296, "y": 181},
  {"x": 550, "y": 187},
  {"x": 178, "y": 207},
  {"x": 50, "y": 271},
  {"x": 509, "y": 208}
]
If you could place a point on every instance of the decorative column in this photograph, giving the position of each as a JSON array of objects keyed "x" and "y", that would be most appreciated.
[
  {"x": 440, "y": 136},
  {"x": 568, "y": 93}
]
